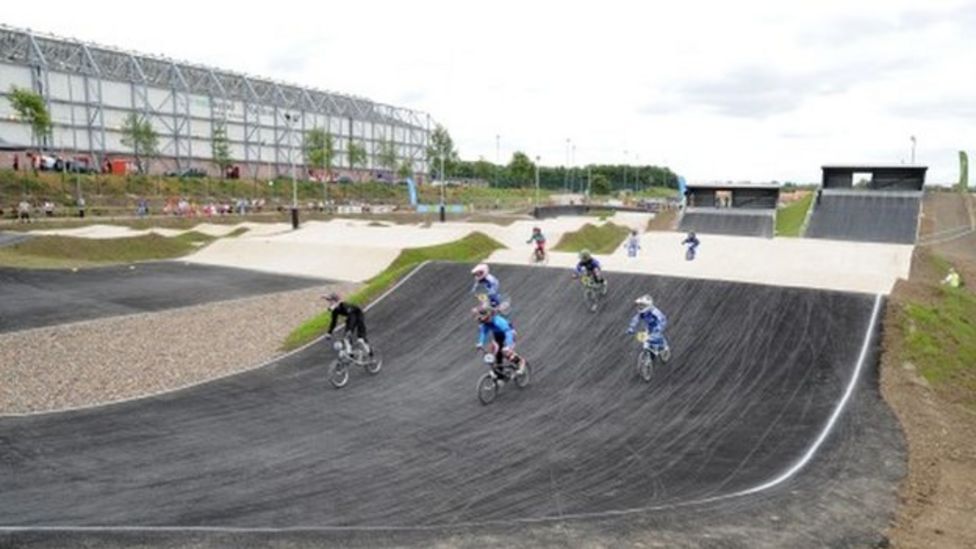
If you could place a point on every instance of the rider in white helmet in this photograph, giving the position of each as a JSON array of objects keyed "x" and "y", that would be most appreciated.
[
  {"x": 486, "y": 283},
  {"x": 652, "y": 320}
]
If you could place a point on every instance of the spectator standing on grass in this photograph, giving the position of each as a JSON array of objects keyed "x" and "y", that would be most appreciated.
[
  {"x": 953, "y": 280},
  {"x": 81, "y": 207},
  {"x": 48, "y": 208},
  {"x": 16, "y": 162},
  {"x": 23, "y": 211}
]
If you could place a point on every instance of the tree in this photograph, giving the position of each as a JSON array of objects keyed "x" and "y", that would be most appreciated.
[
  {"x": 521, "y": 169},
  {"x": 30, "y": 107},
  {"x": 221, "y": 148},
  {"x": 600, "y": 184},
  {"x": 406, "y": 169},
  {"x": 140, "y": 136},
  {"x": 356, "y": 155},
  {"x": 387, "y": 156},
  {"x": 320, "y": 150},
  {"x": 483, "y": 170},
  {"x": 441, "y": 146}
]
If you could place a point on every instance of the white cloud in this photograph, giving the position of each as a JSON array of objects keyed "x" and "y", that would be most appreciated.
[{"x": 746, "y": 90}]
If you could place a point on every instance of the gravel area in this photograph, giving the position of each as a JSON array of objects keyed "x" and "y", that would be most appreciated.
[{"x": 117, "y": 358}]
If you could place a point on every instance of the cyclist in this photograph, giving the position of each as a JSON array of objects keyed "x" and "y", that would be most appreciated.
[
  {"x": 650, "y": 319},
  {"x": 496, "y": 330},
  {"x": 486, "y": 283},
  {"x": 588, "y": 265},
  {"x": 540, "y": 243},
  {"x": 355, "y": 320}
]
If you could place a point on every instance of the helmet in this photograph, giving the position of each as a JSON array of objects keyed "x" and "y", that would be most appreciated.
[
  {"x": 536, "y": 230},
  {"x": 483, "y": 312},
  {"x": 644, "y": 303},
  {"x": 633, "y": 232},
  {"x": 480, "y": 271},
  {"x": 333, "y": 299},
  {"x": 691, "y": 234},
  {"x": 585, "y": 254}
]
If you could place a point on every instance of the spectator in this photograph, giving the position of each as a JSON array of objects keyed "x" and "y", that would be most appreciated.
[
  {"x": 16, "y": 162},
  {"x": 953, "y": 280},
  {"x": 48, "y": 208},
  {"x": 23, "y": 211},
  {"x": 81, "y": 207}
]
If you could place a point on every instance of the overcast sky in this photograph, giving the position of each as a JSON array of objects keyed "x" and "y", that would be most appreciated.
[{"x": 746, "y": 90}]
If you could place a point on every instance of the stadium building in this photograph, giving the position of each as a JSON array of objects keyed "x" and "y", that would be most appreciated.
[{"x": 91, "y": 89}]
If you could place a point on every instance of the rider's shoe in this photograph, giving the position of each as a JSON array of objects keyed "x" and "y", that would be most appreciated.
[{"x": 520, "y": 371}]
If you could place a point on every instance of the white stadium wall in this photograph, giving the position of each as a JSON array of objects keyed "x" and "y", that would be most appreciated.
[{"x": 88, "y": 112}]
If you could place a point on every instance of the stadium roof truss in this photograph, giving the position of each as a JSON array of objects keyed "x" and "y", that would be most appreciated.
[{"x": 95, "y": 64}]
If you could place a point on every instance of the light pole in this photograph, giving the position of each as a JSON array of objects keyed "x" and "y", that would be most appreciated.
[
  {"x": 566, "y": 168},
  {"x": 443, "y": 184},
  {"x": 572, "y": 166},
  {"x": 498, "y": 147},
  {"x": 637, "y": 181},
  {"x": 537, "y": 186},
  {"x": 913, "y": 150},
  {"x": 291, "y": 119},
  {"x": 625, "y": 169}
]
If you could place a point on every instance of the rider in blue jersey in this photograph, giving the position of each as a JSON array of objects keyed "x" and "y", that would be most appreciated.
[
  {"x": 692, "y": 242},
  {"x": 650, "y": 319},
  {"x": 495, "y": 330},
  {"x": 486, "y": 283},
  {"x": 633, "y": 244},
  {"x": 590, "y": 266}
]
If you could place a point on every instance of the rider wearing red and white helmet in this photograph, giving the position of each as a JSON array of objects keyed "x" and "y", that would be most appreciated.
[{"x": 486, "y": 283}]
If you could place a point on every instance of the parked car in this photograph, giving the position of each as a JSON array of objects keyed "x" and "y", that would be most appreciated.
[
  {"x": 74, "y": 166},
  {"x": 189, "y": 172}
]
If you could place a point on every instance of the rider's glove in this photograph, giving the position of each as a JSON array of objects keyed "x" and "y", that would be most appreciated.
[
  {"x": 328, "y": 337},
  {"x": 630, "y": 332}
]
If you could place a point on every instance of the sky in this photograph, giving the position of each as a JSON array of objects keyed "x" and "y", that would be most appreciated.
[{"x": 747, "y": 90}]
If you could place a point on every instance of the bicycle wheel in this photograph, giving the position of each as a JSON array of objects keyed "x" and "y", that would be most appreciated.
[
  {"x": 487, "y": 389},
  {"x": 338, "y": 374},
  {"x": 589, "y": 296},
  {"x": 645, "y": 365},
  {"x": 373, "y": 364},
  {"x": 522, "y": 379}
]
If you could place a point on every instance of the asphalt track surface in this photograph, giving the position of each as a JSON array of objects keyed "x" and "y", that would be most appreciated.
[
  {"x": 32, "y": 298},
  {"x": 735, "y": 224},
  {"x": 869, "y": 218},
  {"x": 766, "y": 431}
]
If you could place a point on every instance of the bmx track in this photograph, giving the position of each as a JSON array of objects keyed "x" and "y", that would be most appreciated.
[
  {"x": 765, "y": 431},
  {"x": 35, "y": 298},
  {"x": 868, "y": 217}
]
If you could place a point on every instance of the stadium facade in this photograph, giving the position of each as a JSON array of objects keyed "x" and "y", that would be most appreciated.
[{"x": 91, "y": 89}]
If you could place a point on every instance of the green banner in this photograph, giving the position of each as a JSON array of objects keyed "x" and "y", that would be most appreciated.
[{"x": 963, "y": 171}]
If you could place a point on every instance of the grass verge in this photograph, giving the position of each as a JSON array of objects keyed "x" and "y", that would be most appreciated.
[
  {"x": 474, "y": 247},
  {"x": 599, "y": 240},
  {"x": 58, "y": 252},
  {"x": 789, "y": 219},
  {"x": 937, "y": 325}
]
